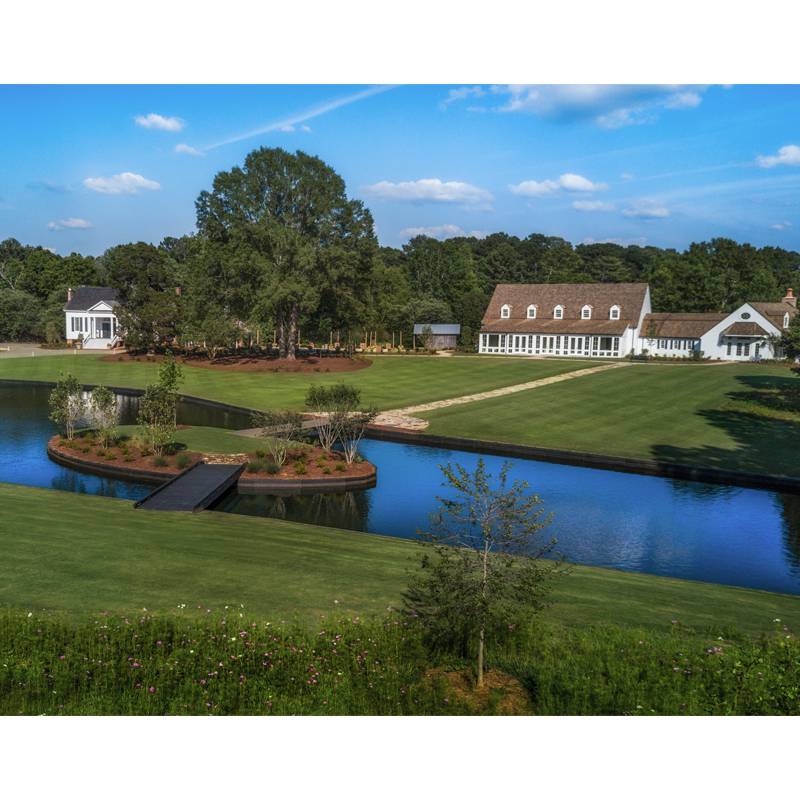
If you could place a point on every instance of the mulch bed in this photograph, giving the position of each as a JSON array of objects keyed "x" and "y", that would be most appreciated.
[
  {"x": 250, "y": 363},
  {"x": 500, "y": 694},
  {"x": 307, "y": 463}
]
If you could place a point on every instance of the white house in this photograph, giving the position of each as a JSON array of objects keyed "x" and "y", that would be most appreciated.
[
  {"x": 746, "y": 334},
  {"x": 91, "y": 321},
  {"x": 565, "y": 319},
  {"x": 613, "y": 320}
]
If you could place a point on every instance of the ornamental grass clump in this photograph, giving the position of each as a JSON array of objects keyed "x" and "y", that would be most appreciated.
[{"x": 280, "y": 431}]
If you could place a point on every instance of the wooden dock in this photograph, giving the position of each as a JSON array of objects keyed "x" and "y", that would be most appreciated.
[{"x": 193, "y": 490}]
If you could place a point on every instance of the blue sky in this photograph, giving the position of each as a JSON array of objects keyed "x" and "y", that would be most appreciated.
[{"x": 84, "y": 168}]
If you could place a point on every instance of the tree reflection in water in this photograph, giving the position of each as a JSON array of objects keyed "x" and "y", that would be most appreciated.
[
  {"x": 348, "y": 510},
  {"x": 789, "y": 506}
]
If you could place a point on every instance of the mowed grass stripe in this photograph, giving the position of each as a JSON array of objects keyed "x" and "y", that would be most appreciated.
[
  {"x": 691, "y": 414},
  {"x": 390, "y": 382},
  {"x": 85, "y": 554}
]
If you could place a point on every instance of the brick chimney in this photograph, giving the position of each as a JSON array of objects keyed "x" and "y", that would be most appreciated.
[
  {"x": 69, "y": 293},
  {"x": 790, "y": 298}
]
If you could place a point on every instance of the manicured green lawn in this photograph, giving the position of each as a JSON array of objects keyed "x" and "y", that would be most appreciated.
[
  {"x": 390, "y": 382},
  {"x": 105, "y": 556},
  {"x": 201, "y": 439},
  {"x": 705, "y": 415}
]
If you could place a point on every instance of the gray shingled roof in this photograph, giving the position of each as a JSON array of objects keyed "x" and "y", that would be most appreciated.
[
  {"x": 85, "y": 297},
  {"x": 438, "y": 330}
]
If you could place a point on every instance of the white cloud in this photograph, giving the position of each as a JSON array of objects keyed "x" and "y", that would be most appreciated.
[
  {"x": 286, "y": 128},
  {"x": 626, "y": 176},
  {"x": 788, "y": 155},
  {"x": 431, "y": 190},
  {"x": 305, "y": 128},
  {"x": 610, "y": 106},
  {"x": 187, "y": 150},
  {"x": 646, "y": 209},
  {"x": 639, "y": 240},
  {"x": 157, "y": 122},
  {"x": 569, "y": 182},
  {"x": 70, "y": 222},
  {"x": 122, "y": 183},
  {"x": 592, "y": 205},
  {"x": 781, "y": 226}
]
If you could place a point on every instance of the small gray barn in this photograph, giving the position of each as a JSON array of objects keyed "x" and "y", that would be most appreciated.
[{"x": 442, "y": 337}]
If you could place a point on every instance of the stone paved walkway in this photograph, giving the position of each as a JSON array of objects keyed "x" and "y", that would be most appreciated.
[{"x": 404, "y": 417}]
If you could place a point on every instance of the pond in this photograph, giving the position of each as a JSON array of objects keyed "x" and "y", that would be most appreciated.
[{"x": 683, "y": 529}]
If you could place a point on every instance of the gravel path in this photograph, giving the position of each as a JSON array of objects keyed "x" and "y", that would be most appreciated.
[{"x": 404, "y": 417}]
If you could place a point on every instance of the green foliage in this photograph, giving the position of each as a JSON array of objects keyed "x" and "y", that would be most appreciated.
[
  {"x": 332, "y": 404},
  {"x": 280, "y": 430},
  {"x": 160, "y": 461},
  {"x": 103, "y": 414},
  {"x": 182, "y": 460},
  {"x": 67, "y": 406},
  {"x": 229, "y": 662},
  {"x": 484, "y": 570},
  {"x": 789, "y": 342},
  {"x": 158, "y": 407}
]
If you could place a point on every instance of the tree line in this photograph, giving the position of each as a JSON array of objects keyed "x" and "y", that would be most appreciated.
[{"x": 282, "y": 254}]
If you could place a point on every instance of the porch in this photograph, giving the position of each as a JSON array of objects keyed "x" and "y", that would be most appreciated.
[{"x": 528, "y": 344}]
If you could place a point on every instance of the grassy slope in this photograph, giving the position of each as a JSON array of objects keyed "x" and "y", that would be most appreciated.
[
  {"x": 696, "y": 414},
  {"x": 390, "y": 381},
  {"x": 104, "y": 555}
]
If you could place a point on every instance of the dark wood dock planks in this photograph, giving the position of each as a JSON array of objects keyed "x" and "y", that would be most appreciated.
[{"x": 193, "y": 490}]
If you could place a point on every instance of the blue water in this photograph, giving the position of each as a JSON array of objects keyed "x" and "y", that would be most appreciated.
[{"x": 683, "y": 529}]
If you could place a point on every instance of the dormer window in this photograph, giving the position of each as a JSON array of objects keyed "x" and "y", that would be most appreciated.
[
  {"x": 614, "y": 313},
  {"x": 786, "y": 320},
  {"x": 505, "y": 311},
  {"x": 531, "y": 312},
  {"x": 558, "y": 312},
  {"x": 586, "y": 312}
]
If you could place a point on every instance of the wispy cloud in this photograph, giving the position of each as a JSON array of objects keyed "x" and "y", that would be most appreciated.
[
  {"x": 781, "y": 226},
  {"x": 788, "y": 155},
  {"x": 608, "y": 105},
  {"x": 433, "y": 190},
  {"x": 69, "y": 223},
  {"x": 568, "y": 182},
  {"x": 446, "y": 231},
  {"x": 49, "y": 186},
  {"x": 301, "y": 117},
  {"x": 122, "y": 183},
  {"x": 646, "y": 209},
  {"x": 592, "y": 205},
  {"x": 188, "y": 150},
  {"x": 159, "y": 123}
]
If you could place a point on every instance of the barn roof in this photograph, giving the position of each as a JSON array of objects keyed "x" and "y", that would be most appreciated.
[
  {"x": 437, "y": 329},
  {"x": 572, "y": 297}
]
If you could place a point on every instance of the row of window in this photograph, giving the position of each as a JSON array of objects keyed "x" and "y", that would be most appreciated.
[
  {"x": 558, "y": 312},
  {"x": 743, "y": 348},
  {"x": 675, "y": 344},
  {"x": 79, "y": 324},
  {"x": 516, "y": 343}
]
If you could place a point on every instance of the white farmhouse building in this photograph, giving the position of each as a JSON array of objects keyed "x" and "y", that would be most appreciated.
[
  {"x": 613, "y": 320},
  {"x": 745, "y": 334},
  {"x": 91, "y": 321},
  {"x": 565, "y": 319}
]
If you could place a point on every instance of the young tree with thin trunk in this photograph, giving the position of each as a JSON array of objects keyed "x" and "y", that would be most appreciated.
[
  {"x": 67, "y": 405},
  {"x": 279, "y": 430},
  {"x": 103, "y": 413},
  {"x": 484, "y": 571},
  {"x": 158, "y": 407}
]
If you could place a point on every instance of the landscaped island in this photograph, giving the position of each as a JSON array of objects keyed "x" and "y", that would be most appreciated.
[{"x": 307, "y": 468}]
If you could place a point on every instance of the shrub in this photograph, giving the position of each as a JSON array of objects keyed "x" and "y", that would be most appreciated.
[
  {"x": 182, "y": 460},
  {"x": 326, "y": 470},
  {"x": 340, "y": 466},
  {"x": 261, "y": 453},
  {"x": 67, "y": 405},
  {"x": 256, "y": 465},
  {"x": 159, "y": 461},
  {"x": 300, "y": 468},
  {"x": 272, "y": 468}
]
